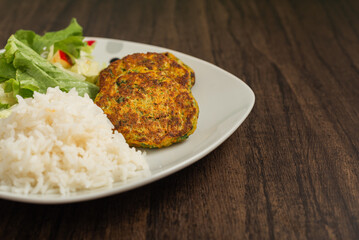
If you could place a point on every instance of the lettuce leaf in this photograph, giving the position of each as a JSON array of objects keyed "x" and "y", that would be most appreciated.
[
  {"x": 69, "y": 40},
  {"x": 4, "y": 106},
  {"x": 7, "y": 71}
]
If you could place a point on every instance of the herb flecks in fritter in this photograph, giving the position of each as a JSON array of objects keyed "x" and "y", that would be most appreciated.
[{"x": 149, "y": 108}]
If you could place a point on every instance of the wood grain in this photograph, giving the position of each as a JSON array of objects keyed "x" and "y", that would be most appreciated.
[{"x": 290, "y": 171}]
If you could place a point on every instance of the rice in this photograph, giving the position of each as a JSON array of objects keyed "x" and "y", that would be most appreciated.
[{"x": 61, "y": 143}]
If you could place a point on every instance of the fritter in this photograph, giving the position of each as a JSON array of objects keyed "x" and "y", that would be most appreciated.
[
  {"x": 149, "y": 108},
  {"x": 143, "y": 62}
]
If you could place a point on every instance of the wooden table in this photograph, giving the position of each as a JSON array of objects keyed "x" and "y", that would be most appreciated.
[{"x": 290, "y": 171}]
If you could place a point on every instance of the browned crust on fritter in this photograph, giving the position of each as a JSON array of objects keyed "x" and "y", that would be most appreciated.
[
  {"x": 149, "y": 108},
  {"x": 143, "y": 62},
  {"x": 190, "y": 70}
]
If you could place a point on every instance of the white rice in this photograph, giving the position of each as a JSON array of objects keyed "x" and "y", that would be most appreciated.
[{"x": 61, "y": 143}]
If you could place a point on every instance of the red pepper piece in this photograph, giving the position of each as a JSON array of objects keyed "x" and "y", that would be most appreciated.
[
  {"x": 90, "y": 42},
  {"x": 65, "y": 57},
  {"x": 62, "y": 58}
]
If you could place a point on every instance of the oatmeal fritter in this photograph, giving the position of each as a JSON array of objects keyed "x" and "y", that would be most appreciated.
[
  {"x": 143, "y": 62},
  {"x": 149, "y": 108}
]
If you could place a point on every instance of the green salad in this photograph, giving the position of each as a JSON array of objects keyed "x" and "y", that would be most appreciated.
[{"x": 32, "y": 63}]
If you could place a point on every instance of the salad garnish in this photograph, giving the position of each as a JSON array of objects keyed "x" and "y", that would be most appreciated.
[{"x": 32, "y": 62}]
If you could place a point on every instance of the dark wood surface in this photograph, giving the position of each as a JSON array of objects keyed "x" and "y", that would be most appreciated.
[{"x": 290, "y": 171}]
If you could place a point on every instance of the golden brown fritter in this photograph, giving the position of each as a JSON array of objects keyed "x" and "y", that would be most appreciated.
[
  {"x": 149, "y": 108},
  {"x": 143, "y": 62}
]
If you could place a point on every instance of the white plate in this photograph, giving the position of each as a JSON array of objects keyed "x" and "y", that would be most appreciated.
[{"x": 224, "y": 102}]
